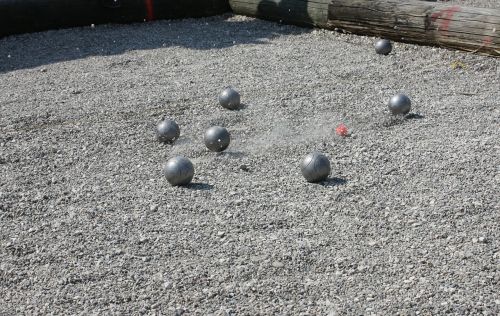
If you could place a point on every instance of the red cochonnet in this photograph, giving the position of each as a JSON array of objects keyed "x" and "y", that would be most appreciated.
[{"x": 342, "y": 130}]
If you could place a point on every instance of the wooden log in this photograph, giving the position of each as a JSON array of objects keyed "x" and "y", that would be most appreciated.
[
  {"x": 438, "y": 24},
  {"x": 22, "y": 16},
  {"x": 300, "y": 12}
]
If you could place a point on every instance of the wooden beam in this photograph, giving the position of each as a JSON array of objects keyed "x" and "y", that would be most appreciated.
[
  {"x": 445, "y": 25},
  {"x": 299, "y": 12}
]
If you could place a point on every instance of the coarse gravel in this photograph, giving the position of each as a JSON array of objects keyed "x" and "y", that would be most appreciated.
[
  {"x": 490, "y": 4},
  {"x": 408, "y": 222}
]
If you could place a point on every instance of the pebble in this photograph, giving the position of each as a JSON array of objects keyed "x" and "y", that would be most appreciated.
[
  {"x": 245, "y": 168},
  {"x": 278, "y": 264}
]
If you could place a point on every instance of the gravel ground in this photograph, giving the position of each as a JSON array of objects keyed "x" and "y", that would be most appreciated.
[
  {"x": 408, "y": 223},
  {"x": 492, "y": 4}
]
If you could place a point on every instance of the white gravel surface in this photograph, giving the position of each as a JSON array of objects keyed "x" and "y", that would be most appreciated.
[{"x": 408, "y": 223}]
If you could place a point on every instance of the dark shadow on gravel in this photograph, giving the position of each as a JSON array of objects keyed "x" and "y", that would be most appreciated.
[
  {"x": 414, "y": 116},
  {"x": 241, "y": 107},
  {"x": 199, "y": 186},
  {"x": 333, "y": 182},
  {"x": 179, "y": 141},
  {"x": 400, "y": 119},
  {"x": 44, "y": 48}
]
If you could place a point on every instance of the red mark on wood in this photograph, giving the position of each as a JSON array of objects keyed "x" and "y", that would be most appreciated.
[
  {"x": 445, "y": 16},
  {"x": 150, "y": 16},
  {"x": 487, "y": 41}
]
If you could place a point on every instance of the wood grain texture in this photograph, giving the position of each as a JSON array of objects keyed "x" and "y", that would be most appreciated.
[
  {"x": 451, "y": 26},
  {"x": 299, "y": 12}
]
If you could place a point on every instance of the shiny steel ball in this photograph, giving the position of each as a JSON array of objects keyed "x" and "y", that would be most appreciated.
[
  {"x": 400, "y": 104},
  {"x": 315, "y": 167},
  {"x": 179, "y": 171},
  {"x": 217, "y": 138},
  {"x": 229, "y": 98},
  {"x": 167, "y": 131},
  {"x": 383, "y": 47}
]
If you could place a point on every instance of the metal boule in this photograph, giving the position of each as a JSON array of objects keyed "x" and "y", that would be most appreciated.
[
  {"x": 315, "y": 167},
  {"x": 217, "y": 138},
  {"x": 400, "y": 104},
  {"x": 167, "y": 131},
  {"x": 179, "y": 171},
  {"x": 229, "y": 98}
]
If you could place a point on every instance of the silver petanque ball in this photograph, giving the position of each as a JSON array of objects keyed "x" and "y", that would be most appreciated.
[
  {"x": 315, "y": 167},
  {"x": 383, "y": 47},
  {"x": 179, "y": 171},
  {"x": 217, "y": 138},
  {"x": 400, "y": 104},
  {"x": 167, "y": 131},
  {"x": 229, "y": 98}
]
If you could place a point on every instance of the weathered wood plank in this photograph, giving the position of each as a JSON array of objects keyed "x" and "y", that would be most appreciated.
[{"x": 300, "y": 12}]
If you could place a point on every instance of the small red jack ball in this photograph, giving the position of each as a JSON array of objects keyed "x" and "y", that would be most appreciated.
[{"x": 342, "y": 130}]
